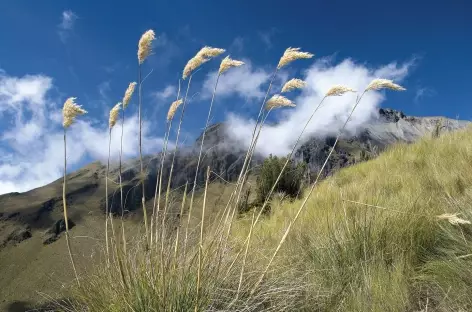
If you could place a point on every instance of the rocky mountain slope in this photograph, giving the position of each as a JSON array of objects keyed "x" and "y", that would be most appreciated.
[{"x": 41, "y": 208}]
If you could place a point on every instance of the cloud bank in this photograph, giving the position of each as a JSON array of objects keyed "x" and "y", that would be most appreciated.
[
  {"x": 31, "y": 144},
  {"x": 279, "y": 137}
]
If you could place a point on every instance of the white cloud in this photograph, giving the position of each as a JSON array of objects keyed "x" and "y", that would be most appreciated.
[
  {"x": 279, "y": 138},
  {"x": 168, "y": 92},
  {"x": 68, "y": 19},
  {"x": 423, "y": 92},
  {"x": 267, "y": 37},
  {"x": 245, "y": 81},
  {"x": 32, "y": 144},
  {"x": 237, "y": 45}
]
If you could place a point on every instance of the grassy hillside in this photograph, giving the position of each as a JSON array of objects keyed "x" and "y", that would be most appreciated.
[
  {"x": 373, "y": 237},
  {"x": 388, "y": 251}
]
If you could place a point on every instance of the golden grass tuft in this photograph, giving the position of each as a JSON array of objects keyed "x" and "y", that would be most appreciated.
[
  {"x": 293, "y": 84},
  {"x": 204, "y": 55},
  {"x": 114, "y": 112},
  {"x": 144, "y": 45},
  {"x": 173, "y": 108},
  {"x": 293, "y": 54},
  {"x": 452, "y": 218},
  {"x": 70, "y": 111},
  {"x": 227, "y": 63},
  {"x": 378, "y": 84},
  {"x": 128, "y": 94},
  {"x": 277, "y": 101},
  {"x": 338, "y": 90},
  {"x": 209, "y": 52}
]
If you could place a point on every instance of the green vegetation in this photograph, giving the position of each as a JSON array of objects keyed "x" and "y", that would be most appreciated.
[{"x": 290, "y": 182}]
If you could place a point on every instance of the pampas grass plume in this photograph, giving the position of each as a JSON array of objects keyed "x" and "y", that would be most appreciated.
[
  {"x": 227, "y": 63},
  {"x": 144, "y": 45},
  {"x": 293, "y": 84},
  {"x": 452, "y": 218},
  {"x": 173, "y": 108},
  {"x": 277, "y": 101},
  {"x": 202, "y": 56},
  {"x": 70, "y": 111},
  {"x": 338, "y": 90},
  {"x": 114, "y": 112},
  {"x": 128, "y": 94},
  {"x": 378, "y": 84},
  {"x": 209, "y": 52},
  {"x": 292, "y": 54}
]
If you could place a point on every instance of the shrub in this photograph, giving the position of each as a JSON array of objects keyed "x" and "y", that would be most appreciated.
[{"x": 290, "y": 181}]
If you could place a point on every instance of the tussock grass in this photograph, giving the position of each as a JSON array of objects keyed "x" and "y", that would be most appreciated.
[{"x": 370, "y": 236}]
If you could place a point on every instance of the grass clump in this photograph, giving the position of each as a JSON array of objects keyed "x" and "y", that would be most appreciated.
[
  {"x": 289, "y": 184},
  {"x": 375, "y": 236}
]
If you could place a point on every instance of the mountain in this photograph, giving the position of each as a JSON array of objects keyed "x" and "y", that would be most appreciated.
[{"x": 22, "y": 213}]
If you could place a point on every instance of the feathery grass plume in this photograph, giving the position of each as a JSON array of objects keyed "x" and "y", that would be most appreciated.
[
  {"x": 277, "y": 101},
  {"x": 293, "y": 84},
  {"x": 144, "y": 45},
  {"x": 452, "y": 218},
  {"x": 209, "y": 52},
  {"x": 70, "y": 111},
  {"x": 193, "y": 64},
  {"x": 378, "y": 84},
  {"x": 338, "y": 90},
  {"x": 128, "y": 94},
  {"x": 202, "y": 56},
  {"x": 173, "y": 108},
  {"x": 292, "y": 54},
  {"x": 114, "y": 112},
  {"x": 227, "y": 63}
]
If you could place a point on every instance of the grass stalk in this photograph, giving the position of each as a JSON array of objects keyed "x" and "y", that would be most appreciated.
[
  {"x": 176, "y": 248},
  {"x": 170, "y": 181},
  {"x": 143, "y": 199},
  {"x": 64, "y": 204},
  {"x": 267, "y": 199},
  {"x": 287, "y": 231},
  {"x": 239, "y": 183},
  {"x": 200, "y": 247},
  {"x": 121, "y": 182},
  {"x": 107, "y": 212},
  {"x": 158, "y": 191},
  {"x": 200, "y": 154}
]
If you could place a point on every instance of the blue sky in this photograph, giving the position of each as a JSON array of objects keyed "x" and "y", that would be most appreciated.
[{"x": 55, "y": 49}]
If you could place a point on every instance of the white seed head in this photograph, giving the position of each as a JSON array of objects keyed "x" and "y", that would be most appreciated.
[
  {"x": 193, "y": 64},
  {"x": 204, "y": 55},
  {"x": 292, "y": 54},
  {"x": 209, "y": 52},
  {"x": 114, "y": 112},
  {"x": 452, "y": 218},
  {"x": 338, "y": 90},
  {"x": 70, "y": 111},
  {"x": 293, "y": 84},
  {"x": 128, "y": 94},
  {"x": 378, "y": 84},
  {"x": 227, "y": 63},
  {"x": 144, "y": 45},
  {"x": 173, "y": 108},
  {"x": 277, "y": 101}
]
